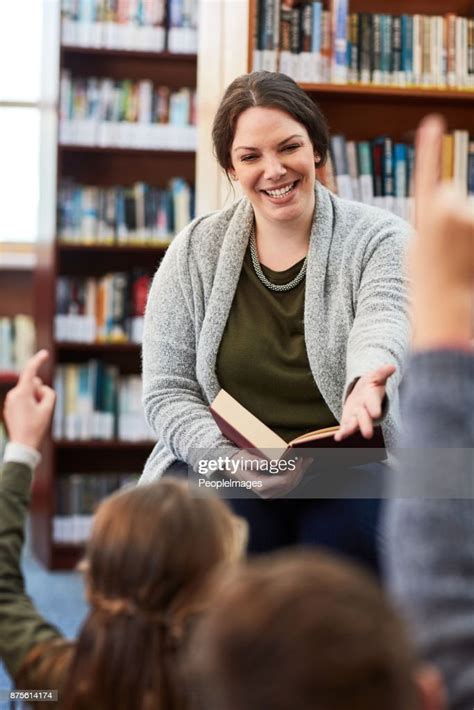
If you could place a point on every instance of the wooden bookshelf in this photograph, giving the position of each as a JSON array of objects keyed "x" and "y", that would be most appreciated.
[
  {"x": 104, "y": 167},
  {"x": 364, "y": 111},
  {"x": 8, "y": 379}
]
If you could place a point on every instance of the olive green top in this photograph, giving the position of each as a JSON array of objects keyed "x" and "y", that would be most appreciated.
[{"x": 262, "y": 359}]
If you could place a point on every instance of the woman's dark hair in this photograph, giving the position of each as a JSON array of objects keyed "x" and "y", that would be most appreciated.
[
  {"x": 268, "y": 90},
  {"x": 148, "y": 570}
]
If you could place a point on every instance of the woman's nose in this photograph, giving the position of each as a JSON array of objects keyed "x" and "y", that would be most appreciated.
[{"x": 274, "y": 168}]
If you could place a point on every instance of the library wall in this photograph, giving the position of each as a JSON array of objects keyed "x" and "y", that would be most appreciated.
[{"x": 222, "y": 55}]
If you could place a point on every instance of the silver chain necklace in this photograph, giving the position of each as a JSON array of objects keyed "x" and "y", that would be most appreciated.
[{"x": 261, "y": 276}]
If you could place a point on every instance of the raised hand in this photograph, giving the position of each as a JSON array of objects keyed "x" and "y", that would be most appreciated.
[
  {"x": 29, "y": 406},
  {"x": 441, "y": 258}
]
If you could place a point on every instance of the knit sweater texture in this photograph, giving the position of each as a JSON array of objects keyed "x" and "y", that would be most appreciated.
[
  {"x": 355, "y": 318},
  {"x": 430, "y": 530}
]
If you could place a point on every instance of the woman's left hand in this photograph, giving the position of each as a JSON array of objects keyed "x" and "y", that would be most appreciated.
[{"x": 364, "y": 404}]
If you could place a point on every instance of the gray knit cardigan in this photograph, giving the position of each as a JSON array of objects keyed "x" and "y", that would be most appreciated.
[{"x": 355, "y": 318}]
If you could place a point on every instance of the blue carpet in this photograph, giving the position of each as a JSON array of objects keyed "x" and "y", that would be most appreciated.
[{"x": 58, "y": 597}]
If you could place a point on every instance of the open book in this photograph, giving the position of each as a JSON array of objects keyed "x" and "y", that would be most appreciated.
[{"x": 248, "y": 432}]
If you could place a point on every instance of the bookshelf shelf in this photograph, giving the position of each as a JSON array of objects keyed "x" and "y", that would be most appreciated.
[
  {"x": 101, "y": 348},
  {"x": 396, "y": 92},
  {"x": 131, "y": 249},
  {"x": 128, "y": 152},
  {"x": 128, "y": 54},
  {"x": 103, "y": 445}
]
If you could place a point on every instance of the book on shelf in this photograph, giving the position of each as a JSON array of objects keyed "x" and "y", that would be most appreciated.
[
  {"x": 138, "y": 214},
  {"x": 108, "y": 309},
  {"x": 248, "y": 432},
  {"x": 379, "y": 171},
  {"x": 428, "y": 51},
  {"x": 94, "y": 401},
  {"x": 131, "y": 25},
  {"x": 126, "y": 114},
  {"x": 17, "y": 342},
  {"x": 77, "y": 498}
]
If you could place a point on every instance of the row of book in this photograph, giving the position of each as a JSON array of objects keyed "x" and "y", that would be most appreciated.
[
  {"x": 140, "y": 25},
  {"x": 17, "y": 342},
  {"x": 123, "y": 113},
  {"x": 316, "y": 44},
  {"x": 105, "y": 309},
  {"x": 95, "y": 402},
  {"x": 138, "y": 214},
  {"x": 77, "y": 498},
  {"x": 379, "y": 172}
]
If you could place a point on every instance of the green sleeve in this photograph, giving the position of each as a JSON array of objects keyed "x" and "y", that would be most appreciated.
[{"x": 21, "y": 626}]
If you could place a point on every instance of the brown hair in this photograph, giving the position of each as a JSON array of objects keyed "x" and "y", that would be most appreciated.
[
  {"x": 269, "y": 90},
  {"x": 303, "y": 631},
  {"x": 148, "y": 565}
]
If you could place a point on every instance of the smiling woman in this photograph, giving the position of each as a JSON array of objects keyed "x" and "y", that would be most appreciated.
[{"x": 293, "y": 301}]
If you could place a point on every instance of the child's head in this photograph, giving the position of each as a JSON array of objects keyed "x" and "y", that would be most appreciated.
[
  {"x": 304, "y": 631},
  {"x": 148, "y": 568}
]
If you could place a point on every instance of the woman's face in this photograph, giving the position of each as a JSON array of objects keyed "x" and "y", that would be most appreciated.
[{"x": 273, "y": 159}]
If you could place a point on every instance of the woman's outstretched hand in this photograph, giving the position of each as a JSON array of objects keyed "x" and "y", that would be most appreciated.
[{"x": 364, "y": 404}]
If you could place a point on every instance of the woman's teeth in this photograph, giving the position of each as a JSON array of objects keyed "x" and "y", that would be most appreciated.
[{"x": 281, "y": 193}]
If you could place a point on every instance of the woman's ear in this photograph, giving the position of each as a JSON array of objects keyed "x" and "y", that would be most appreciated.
[
  {"x": 232, "y": 175},
  {"x": 317, "y": 159}
]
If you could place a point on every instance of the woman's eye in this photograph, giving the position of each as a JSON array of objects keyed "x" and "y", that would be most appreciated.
[
  {"x": 246, "y": 158},
  {"x": 293, "y": 146}
]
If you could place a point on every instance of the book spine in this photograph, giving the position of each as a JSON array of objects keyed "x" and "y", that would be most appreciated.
[
  {"x": 339, "y": 30},
  {"x": 316, "y": 32},
  {"x": 376, "y": 56},
  {"x": 417, "y": 49},
  {"x": 400, "y": 170},
  {"x": 351, "y": 151},
  {"x": 470, "y": 169},
  {"x": 285, "y": 58},
  {"x": 377, "y": 162},
  {"x": 366, "y": 181},
  {"x": 450, "y": 20},
  {"x": 407, "y": 49},
  {"x": 305, "y": 73},
  {"x": 396, "y": 68},
  {"x": 339, "y": 154},
  {"x": 447, "y": 157},
  {"x": 353, "y": 73},
  {"x": 461, "y": 148},
  {"x": 385, "y": 48},
  {"x": 365, "y": 44}
]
